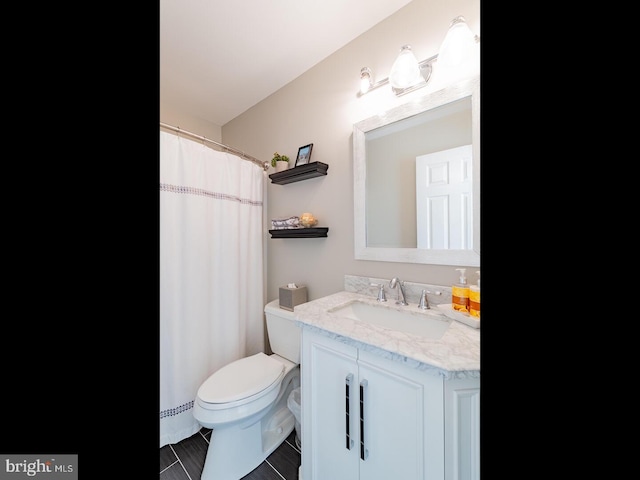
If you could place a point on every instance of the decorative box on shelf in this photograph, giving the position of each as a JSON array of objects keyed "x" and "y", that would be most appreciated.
[
  {"x": 299, "y": 232},
  {"x": 301, "y": 172}
]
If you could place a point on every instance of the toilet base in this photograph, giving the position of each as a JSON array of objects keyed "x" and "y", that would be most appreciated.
[
  {"x": 237, "y": 450},
  {"x": 233, "y": 453}
]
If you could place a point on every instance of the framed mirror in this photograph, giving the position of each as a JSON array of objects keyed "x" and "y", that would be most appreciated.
[{"x": 417, "y": 180}]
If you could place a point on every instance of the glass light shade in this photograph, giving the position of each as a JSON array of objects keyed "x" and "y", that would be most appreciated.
[
  {"x": 458, "y": 46},
  {"x": 365, "y": 80},
  {"x": 405, "y": 71}
]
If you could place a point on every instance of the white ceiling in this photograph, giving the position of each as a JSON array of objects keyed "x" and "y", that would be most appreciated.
[{"x": 218, "y": 58}]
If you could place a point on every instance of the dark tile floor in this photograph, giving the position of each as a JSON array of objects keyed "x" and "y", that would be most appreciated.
[{"x": 185, "y": 460}]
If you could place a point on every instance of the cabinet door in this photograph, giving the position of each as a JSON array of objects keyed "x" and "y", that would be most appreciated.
[
  {"x": 462, "y": 429},
  {"x": 329, "y": 419},
  {"x": 403, "y": 421}
]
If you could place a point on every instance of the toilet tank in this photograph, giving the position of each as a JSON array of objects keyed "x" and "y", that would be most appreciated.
[{"x": 284, "y": 333}]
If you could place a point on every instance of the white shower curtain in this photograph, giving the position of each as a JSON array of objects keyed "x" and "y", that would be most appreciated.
[{"x": 211, "y": 272}]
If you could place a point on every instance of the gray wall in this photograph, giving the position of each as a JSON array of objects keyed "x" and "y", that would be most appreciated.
[
  {"x": 172, "y": 115},
  {"x": 320, "y": 107}
]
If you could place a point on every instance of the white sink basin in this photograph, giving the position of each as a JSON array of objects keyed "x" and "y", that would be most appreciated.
[{"x": 408, "y": 319}]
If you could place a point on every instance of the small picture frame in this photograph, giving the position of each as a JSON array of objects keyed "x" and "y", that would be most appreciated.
[{"x": 304, "y": 155}]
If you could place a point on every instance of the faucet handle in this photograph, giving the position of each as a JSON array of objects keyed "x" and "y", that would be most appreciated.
[
  {"x": 381, "y": 295},
  {"x": 424, "y": 302}
]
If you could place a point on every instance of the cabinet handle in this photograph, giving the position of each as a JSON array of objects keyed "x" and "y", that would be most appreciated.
[
  {"x": 363, "y": 452},
  {"x": 347, "y": 385}
]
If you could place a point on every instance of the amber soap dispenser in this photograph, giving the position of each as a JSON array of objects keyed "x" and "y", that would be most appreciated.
[
  {"x": 460, "y": 293},
  {"x": 474, "y": 298}
]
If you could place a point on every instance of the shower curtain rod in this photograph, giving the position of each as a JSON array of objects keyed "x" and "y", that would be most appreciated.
[{"x": 264, "y": 165}]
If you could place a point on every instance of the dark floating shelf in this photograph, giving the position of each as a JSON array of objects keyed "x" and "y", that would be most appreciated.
[
  {"x": 299, "y": 232},
  {"x": 301, "y": 172}
]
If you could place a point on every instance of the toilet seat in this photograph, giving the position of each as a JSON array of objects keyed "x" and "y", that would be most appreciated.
[{"x": 241, "y": 382}]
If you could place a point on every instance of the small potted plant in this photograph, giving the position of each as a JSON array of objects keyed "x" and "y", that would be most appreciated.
[{"x": 280, "y": 162}]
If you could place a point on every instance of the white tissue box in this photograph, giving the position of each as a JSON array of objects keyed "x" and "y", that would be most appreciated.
[{"x": 290, "y": 297}]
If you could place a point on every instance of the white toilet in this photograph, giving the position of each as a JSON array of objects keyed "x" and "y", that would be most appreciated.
[{"x": 245, "y": 402}]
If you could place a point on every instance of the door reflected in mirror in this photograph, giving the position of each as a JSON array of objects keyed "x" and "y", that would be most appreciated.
[
  {"x": 416, "y": 180},
  {"x": 444, "y": 217}
]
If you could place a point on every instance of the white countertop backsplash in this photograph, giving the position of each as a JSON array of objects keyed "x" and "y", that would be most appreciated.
[{"x": 455, "y": 355}]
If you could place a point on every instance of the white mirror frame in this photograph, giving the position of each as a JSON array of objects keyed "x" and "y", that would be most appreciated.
[{"x": 414, "y": 255}]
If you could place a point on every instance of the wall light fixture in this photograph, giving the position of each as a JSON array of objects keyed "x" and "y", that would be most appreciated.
[
  {"x": 407, "y": 74},
  {"x": 365, "y": 80},
  {"x": 405, "y": 71},
  {"x": 458, "y": 44}
]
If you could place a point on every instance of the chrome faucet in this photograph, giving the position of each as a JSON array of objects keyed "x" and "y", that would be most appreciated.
[{"x": 392, "y": 284}]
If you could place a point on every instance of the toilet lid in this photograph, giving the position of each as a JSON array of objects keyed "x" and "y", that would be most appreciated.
[{"x": 241, "y": 379}]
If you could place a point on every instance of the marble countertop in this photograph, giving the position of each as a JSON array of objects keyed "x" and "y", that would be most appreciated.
[{"x": 455, "y": 355}]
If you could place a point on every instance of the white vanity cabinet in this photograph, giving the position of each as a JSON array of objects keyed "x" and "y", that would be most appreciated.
[
  {"x": 367, "y": 417},
  {"x": 462, "y": 429}
]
